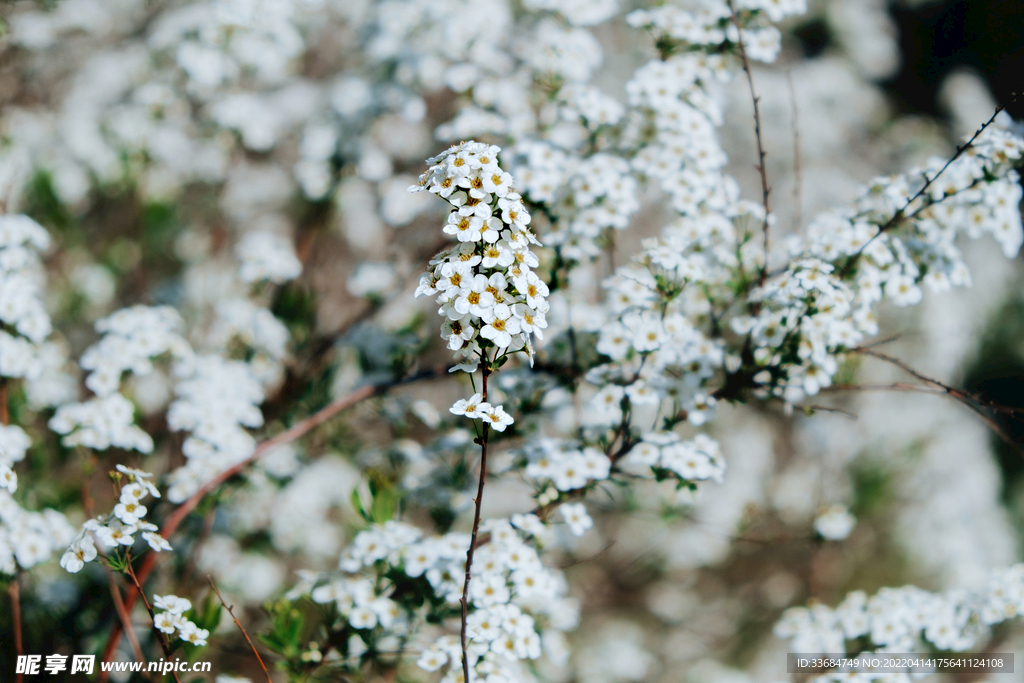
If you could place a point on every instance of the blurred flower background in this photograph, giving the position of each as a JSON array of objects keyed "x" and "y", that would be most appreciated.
[{"x": 242, "y": 167}]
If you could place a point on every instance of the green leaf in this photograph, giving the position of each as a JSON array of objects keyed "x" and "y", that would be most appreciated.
[
  {"x": 357, "y": 505},
  {"x": 385, "y": 501}
]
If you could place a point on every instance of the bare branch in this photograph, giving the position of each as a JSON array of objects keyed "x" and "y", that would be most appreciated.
[
  {"x": 240, "y": 627},
  {"x": 972, "y": 401}
]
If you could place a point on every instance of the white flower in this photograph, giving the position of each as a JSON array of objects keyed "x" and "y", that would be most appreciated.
[
  {"x": 157, "y": 542},
  {"x": 81, "y": 551},
  {"x": 489, "y": 590},
  {"x": 130, "y": 512},
  {"x": 500, "y": 327},
  {"x": 191, "y": 633},
  {"x": 167, "y": 622},
  {"x": 8, "y": 479},
  {"x": 362, "y": 617},
  {"x": 834, "y": 523},
  {"x": 575, "y": 515},
  {"x": 172, "y": 603},
  {"x": 432, "y": 659},
  {"x": 473, "y": 407},
  {"x": 116, "y": 533},
  {"x": 497, "y": 418}
]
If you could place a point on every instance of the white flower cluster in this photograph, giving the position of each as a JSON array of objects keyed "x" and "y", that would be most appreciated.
[
  {"x": 267, "y": 256},
  {"x": 698, "y": 459},
  {"x": 14, "y": 443},
  {"x": 475, "y": 408},
  {"x": 515, "y": 601},
  {"x": 906, "y": 619},
  {"x": 173, "y": 619},
  {"x": 217, "y": 399},
  {"x": 577, "y": 12},
  {"x": 712, "y": 25},
  {"x": 587, "y": 195},
  {"x": 133, "y": 337},
  {"x": 29, "y": 538},
  {"x": 576, "y": 517},
  {"x": 26, "y": 538},
  {"x": 257, "y": 328},
  {"x": 120, "y": 526},
  {"x": 21, "y": 286},
  {"x": 487, "y": 291},
  {"x": 885, "y": 246},
  {"x": 564, "y": 464}
]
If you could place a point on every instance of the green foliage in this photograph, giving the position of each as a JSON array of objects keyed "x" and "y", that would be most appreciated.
[
  {"x": 296, "y": 306},
  {"x": 42, "y": 204},
  {"x": 871, "y": 487},
  {"x": 384, "y": 500},
  {"x": 285, "y": 637},
  {"x": 208, "y": 614}
]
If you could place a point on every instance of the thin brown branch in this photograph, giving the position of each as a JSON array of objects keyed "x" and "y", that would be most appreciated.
[
  {"x": 972, "y": 401},
  {"x": 240, "y": 628},
  {"x": 14, "y": 591},
  {"x": 478, "y": 503},
  {"x": 798, "y": 179},
  {"x": 817, "y": 407},
  {"x": 761, "y": 154},
  {"x": 901, "y": 213},
  {"x": 160, "y": 635},
  {"x": 895, "y": 386},
  {"x": 296, "y": 431},
  {"x": 5, "y": 415},
  {"x": 126, "y": 620},
  {"x": 583, "y": 560}
]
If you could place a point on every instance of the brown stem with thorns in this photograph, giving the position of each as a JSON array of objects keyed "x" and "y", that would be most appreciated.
[
  {"x": 240, "y": 627},
  {"x": 761, "y": 154},
  {"x": 478, "y": 502}
]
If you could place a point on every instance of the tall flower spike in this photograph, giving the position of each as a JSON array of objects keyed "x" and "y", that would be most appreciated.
[{"x": 488, "y": 294}]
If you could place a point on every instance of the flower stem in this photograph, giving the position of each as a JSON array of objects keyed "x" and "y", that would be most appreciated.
[
  {"x": 476, "y": 527},
  {"x": 161, "y": 638}
]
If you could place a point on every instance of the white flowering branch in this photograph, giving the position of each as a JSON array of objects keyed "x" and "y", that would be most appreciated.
[
  {"x": 761, "y": 153},
  {"x": 929, "y": 180},
  {"x": 296, "y": 431}
]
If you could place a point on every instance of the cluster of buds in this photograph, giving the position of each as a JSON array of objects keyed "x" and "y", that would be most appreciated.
[{"x": 488, "y": 294}]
